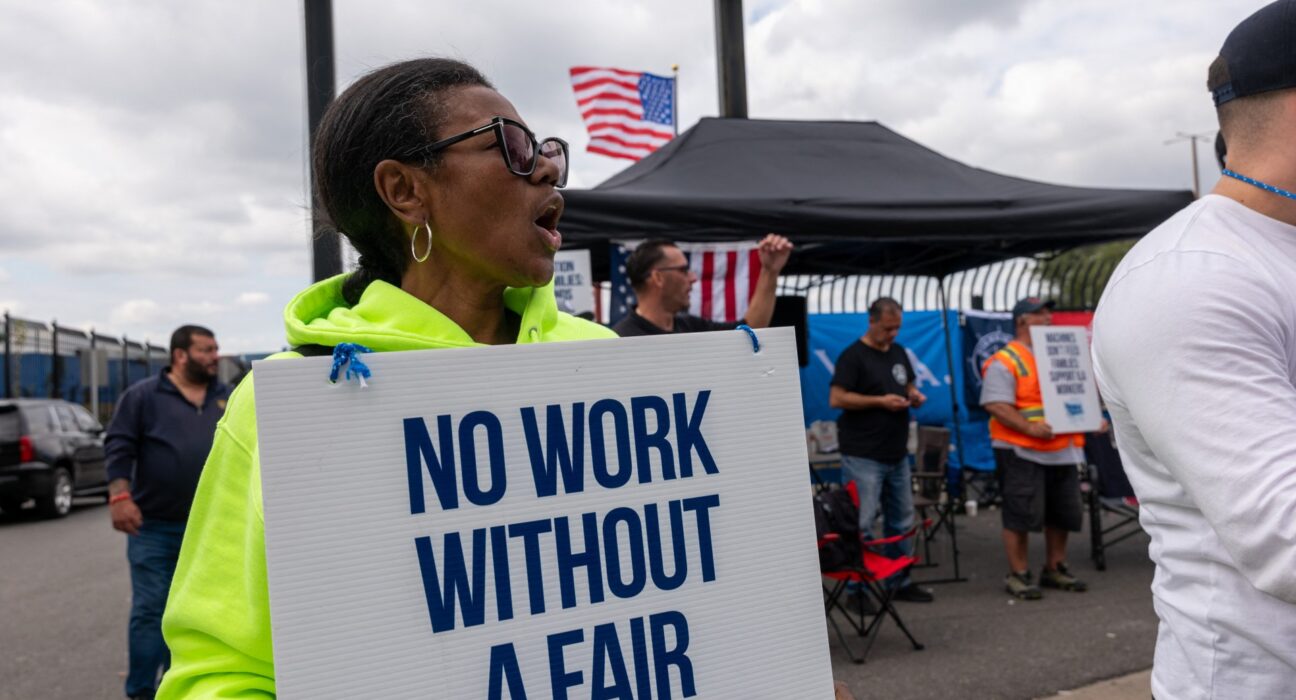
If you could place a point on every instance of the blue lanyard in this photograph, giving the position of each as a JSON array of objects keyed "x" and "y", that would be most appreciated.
[{"x": 1256, "y": 183}]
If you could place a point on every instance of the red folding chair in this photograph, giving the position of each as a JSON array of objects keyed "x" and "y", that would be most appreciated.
[{"x": 870, "y": 580}]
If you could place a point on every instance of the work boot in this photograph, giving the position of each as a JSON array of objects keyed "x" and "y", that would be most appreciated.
[
  {"x": 1019, "y": 584},
  {"x": 913, "y": 594},
  {"x": 1062, "y": 579}
]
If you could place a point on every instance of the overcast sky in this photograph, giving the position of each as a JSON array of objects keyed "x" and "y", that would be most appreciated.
[{"x": 152, "y": 152}]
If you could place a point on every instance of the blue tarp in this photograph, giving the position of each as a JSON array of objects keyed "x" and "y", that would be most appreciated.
[{"x": 923, "y": 334}]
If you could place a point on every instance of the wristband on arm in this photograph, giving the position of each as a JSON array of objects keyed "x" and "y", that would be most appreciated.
[{"x": 123, "y": 496}]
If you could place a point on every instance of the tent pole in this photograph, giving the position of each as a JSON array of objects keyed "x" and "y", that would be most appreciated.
[
  {"x": 675, "y": 97},
  {"x": 958, "y": 431}
]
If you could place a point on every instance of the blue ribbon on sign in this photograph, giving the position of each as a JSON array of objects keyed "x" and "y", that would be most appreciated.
[
  {"x": 349, "y": 354},
  {"x": 752, "y": 334}
]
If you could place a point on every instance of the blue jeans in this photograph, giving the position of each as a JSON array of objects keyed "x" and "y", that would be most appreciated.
[
  {"x": 152, "y": 554},
  {"x": 891, "y": 486}
]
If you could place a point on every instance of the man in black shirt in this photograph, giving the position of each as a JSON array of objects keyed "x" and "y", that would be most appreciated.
[
  {"x": 661, "y": 278},
  {"x": 873, "y": 384},
  {"x": 155, "y": 447}
]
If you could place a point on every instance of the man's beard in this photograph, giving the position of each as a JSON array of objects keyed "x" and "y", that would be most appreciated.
[{"x": 196, "y": 373}]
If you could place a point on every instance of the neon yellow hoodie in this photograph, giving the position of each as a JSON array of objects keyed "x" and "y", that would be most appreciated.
[{"x": 217, "y": 620}]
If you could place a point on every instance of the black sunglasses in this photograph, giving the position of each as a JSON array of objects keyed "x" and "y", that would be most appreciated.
[{"x": 518, "y": 146}]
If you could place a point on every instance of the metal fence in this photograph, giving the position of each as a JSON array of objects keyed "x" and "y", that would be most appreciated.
[
  {"x": 994, "y": 287},
  {"x": 47, "y": 360}
]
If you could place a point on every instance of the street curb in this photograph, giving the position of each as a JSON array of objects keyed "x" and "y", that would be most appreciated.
[{"x": 1135, "y": 686}]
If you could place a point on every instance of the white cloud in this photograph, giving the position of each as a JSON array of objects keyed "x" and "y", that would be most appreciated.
[
  {"x": 154, "y": 152},
  {"x": 137, "y": 312},
  {"x": 252, "y": 298}
]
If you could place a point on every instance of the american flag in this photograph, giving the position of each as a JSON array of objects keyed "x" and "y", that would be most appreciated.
[
  {"x": 726, "y": 272},
  {"x": 628, "y": 114}
]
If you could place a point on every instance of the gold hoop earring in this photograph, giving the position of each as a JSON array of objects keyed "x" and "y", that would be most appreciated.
[{"x": 414, "y": 240}]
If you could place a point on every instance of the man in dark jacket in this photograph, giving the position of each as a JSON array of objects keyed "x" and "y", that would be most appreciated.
[{"x": 156, "y": 445}]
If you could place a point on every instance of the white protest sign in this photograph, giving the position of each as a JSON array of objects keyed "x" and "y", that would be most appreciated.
[
  {"x": 1066, "y": 378},
  {"x": 609, "y": 519},
  {"x": 573, "y": 282}
]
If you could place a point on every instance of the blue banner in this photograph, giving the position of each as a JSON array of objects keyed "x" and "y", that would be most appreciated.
[
  {"x": 984, "y": 333},
  {"x": 923, "y": 335}
]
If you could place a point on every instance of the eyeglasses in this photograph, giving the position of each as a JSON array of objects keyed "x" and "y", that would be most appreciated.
[
  {"x": 674, "y": 268},
  {"x": 517, "y": 145}
]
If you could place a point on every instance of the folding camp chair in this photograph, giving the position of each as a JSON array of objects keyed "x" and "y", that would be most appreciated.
[
  {"x": 981, "y": 486},
  {"x": 1108, "y": 490},
  {"x": 931, "y": 459},
  {"x": 869, "y": 579}
]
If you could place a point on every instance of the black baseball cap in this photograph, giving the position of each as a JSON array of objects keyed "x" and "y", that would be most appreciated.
[
  {"x": 1030, "y": 305},
  {"x": 1258, "y": 56}
]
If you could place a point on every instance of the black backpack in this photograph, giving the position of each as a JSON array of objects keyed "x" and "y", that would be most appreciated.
[{"x": 836, "y": 514}]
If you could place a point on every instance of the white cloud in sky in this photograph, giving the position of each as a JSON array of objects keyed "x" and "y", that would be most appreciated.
[
  {"x": 154, "y": 152},
  {"x": 137, "y": 312}
]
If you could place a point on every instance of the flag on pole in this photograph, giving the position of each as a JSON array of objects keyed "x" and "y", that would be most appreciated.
[
  {"x": 628, "y": 114},
  {"x": 726, "y": 279}
]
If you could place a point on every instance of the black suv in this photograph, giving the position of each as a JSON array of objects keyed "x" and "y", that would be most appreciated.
[{"x": 50, "y": 450}]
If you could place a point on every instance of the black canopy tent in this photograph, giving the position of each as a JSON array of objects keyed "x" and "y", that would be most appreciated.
[{"x": 855, "y": 197}]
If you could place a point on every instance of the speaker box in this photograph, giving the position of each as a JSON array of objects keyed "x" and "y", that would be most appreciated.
[{"x": 792, "y": 311}]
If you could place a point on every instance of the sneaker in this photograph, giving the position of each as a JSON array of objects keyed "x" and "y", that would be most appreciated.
[
  {"x": 1020, "y": 585},
  {"x": 913, "y": 594},
  {"x": 1062, "y": 579}
]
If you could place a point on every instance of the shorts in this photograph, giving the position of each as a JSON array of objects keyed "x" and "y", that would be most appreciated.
[{"x": 1036, "y": 496}]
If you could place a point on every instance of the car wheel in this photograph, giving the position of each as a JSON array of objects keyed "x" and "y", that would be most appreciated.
[{"x": 58, "y": 502}]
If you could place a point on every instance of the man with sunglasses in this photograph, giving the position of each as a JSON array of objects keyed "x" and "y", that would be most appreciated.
[{"x": 662, "y": 280}]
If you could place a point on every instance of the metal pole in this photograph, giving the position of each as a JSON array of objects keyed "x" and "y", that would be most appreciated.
[
  {"x": 55, "y": 374},
  {"x": 1192, "y": 140},
  {"x": 321, "y": 83},
  {"x": 8, "y": 360},
  {"x": 731, "y": 59},
  {"x": 94, "y": 377},
  {"x": 1196, "y": 180},
  {"x": 954, "y": 408},
  {"x": 675, "y": 97},
  {"x": 125, "y": 367}
]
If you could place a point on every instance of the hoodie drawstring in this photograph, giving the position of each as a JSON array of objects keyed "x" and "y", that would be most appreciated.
[{"x": 349, "y": 354}]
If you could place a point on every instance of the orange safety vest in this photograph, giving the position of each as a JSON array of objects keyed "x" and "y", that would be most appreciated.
[{"x": 1021, "y": 362}]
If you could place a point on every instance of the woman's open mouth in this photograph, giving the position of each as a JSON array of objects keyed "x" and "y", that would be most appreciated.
[{"x": 547, "y": 222}]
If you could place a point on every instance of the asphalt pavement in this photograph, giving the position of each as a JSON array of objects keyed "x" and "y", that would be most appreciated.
[
  {"x": 65, "y": 597},
  {"x": 65, "y": 600},
  {"x": 980, "y": 643}
]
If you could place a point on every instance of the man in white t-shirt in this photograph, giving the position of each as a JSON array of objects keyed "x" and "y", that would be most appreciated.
[{"x": 1195, "y": 355}]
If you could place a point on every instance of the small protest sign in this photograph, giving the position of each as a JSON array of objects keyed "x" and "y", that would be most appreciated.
[
  {"x": 1066, "y": 378},
  {"x": 610, "y": 519},
  {"x": 573, "y": 283}
]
